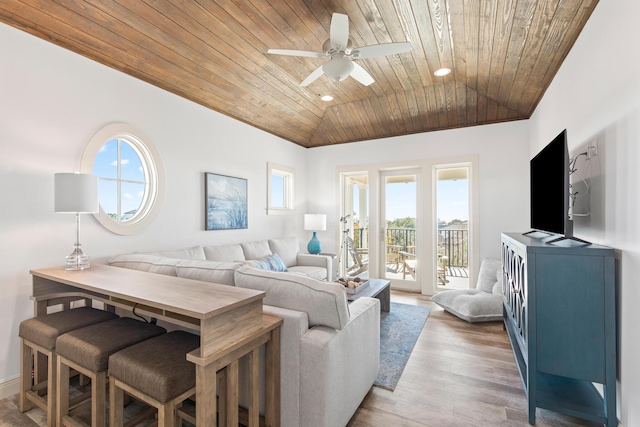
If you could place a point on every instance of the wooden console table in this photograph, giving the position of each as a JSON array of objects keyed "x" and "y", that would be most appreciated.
[{"x": 230, "y": 321}]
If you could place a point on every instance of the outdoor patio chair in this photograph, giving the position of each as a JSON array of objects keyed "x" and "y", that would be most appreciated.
[
  {"x": 442, "y": 269},
  {"x": 393, "y": 256},
  {"x": 408, "y": 264},
  {"x": 359, "y": 266}
]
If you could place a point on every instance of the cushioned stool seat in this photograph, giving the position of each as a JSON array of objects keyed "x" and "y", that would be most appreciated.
[
  {"x": 155, "y": 371},
  {"x": 87, "y": 350},
  {"x": 39, "y": 334}
]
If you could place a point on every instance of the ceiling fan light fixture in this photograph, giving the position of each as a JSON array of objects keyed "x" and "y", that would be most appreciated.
[
  {"x": 442, "y": 72},
  {"x": 338, "y": 68}
]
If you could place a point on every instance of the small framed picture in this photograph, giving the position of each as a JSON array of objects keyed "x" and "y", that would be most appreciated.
[{"x": 225, "y": 202}]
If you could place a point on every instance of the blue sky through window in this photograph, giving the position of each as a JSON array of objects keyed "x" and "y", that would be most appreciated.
[
  {"x": 277, "y": 191},
  {"x": 453, "y": 200},
  {"x": 108, "y": 166}
]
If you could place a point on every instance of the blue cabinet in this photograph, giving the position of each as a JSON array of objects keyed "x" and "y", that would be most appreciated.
[{"x": 559, "y": 313}]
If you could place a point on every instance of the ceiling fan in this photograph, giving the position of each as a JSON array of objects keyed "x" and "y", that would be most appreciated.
[{"x": 342, "y": 54}]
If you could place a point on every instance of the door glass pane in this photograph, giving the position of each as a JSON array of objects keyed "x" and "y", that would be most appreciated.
[
  {"x": 400, "y": 227},
  {"x": 354, "y": 256},
  {"x": 452, "y": 208}
]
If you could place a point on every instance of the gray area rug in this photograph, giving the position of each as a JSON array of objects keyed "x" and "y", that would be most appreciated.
[{"x": 399, "y": 331}]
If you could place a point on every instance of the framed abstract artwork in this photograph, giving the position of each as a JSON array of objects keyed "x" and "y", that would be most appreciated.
[{"x": 225, "y": 202}]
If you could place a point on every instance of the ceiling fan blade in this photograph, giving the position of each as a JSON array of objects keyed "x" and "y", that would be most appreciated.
[
  {"x": 361, "y": 75},
  {"x": 339, "y": 34},
  {"x": 312, "y": 77},
  {"x": 305, "y": 53},
  {"x": 384, "y": 49}
]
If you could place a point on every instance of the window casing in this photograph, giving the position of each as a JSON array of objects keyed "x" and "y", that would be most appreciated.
[
  {"x": 130, "y": 178},
  {"x": 280, "y": 189}
]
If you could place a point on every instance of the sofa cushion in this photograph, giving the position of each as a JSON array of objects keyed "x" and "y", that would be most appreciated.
[
  {"x": 271, "y": 262},
  {"x": 208, "y": 271},
  {"x": 319, "y": 273},
  {"x": 472, "y": 305},
  {"x": 256, "y": 250},
  {"x": 287, "y": 248},
  {"x": 324, "y": 302},
  {"x": 228, "y": 253},
  {"x": 195, "y": 252},
  {"x": 490, "y": 273},
  {"x": 146, "y": 262}
]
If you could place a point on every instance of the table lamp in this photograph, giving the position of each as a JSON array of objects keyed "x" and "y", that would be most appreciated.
[
  {"x": 315, "y": 222},
  {"x": 76, "y": 193}
]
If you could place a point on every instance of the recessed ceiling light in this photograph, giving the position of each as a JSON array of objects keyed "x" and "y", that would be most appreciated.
[
  {"x": 326, "y": 98},
  {"x": 442, "y": 72}
]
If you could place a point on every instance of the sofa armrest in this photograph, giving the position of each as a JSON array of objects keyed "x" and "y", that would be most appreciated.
[
  {"x": 348, "y": 359},
  {"x": 324, "y": 261},
  {"x": 294, "y": 325}
]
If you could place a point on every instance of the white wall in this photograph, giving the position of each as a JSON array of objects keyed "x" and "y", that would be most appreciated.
[
  {"x": 502, "y": 152},
  {"x": 51, "y": 102},
  {"x": 596, "y": 97}
]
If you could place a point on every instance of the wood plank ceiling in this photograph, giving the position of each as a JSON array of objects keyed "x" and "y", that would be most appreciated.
[{"x": 503, "y": 53}]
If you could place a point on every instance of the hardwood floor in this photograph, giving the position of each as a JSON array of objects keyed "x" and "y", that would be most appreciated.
[{"x": 459, "y": 374}]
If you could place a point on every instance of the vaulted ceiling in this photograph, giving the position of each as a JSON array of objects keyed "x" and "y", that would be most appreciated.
[{"x": 503, "y": 54}]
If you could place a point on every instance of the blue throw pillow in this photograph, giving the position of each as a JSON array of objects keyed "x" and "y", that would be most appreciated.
[{"x": 271, "y": 262}]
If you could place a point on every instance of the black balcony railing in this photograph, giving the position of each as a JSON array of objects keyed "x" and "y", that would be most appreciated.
[{"x": 454, "y": 244}]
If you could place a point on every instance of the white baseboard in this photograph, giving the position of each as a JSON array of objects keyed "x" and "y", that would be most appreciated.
[{"x": 9, "y": 387}]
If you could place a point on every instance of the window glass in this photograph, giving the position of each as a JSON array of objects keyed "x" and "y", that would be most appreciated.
[
  {"x": 122, "y": 179},
  {"x": 277, "y": 191},
  {"x": 106, "y": 158}
]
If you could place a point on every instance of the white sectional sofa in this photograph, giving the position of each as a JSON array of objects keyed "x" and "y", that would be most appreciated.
[
  {"x": 288, "y": 249},
  {"x": 329, "y": 349}
]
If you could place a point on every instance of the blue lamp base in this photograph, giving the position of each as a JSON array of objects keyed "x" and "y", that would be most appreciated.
[{"x": 314, "y": 246}]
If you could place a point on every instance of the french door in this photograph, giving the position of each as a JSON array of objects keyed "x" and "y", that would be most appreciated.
[
  {"x": 399, "y": 251},
  {"x": 453, "y": 226}
]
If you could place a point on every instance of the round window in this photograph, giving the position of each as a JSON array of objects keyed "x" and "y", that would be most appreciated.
[{"x": 129, "y": 177}]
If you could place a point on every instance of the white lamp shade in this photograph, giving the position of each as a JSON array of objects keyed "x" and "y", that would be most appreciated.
[
  {"x": 76, "y": 193},
  {"x": 315, "y": 222}
]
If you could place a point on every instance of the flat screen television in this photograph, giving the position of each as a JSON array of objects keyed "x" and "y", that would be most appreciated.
[{"x": 551, "y": 190}]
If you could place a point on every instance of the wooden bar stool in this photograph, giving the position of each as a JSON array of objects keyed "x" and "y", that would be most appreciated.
[
  {"x": 87, "y": 350},
  {"x": 156, "y": 372},
  {"x": 39, "y": 335}
]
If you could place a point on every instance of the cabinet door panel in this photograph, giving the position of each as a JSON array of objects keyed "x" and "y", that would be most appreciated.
[{"x": 570, "y": 311}]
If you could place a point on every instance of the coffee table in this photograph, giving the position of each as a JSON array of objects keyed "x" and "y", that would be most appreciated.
[{"x": 378, "y": 288}]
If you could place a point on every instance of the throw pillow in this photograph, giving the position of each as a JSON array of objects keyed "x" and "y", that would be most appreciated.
[
  {"x": 488, "y": 274},
  {"x": 271, "y": 262}
]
